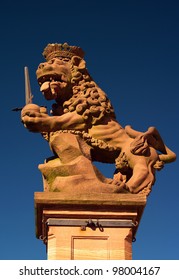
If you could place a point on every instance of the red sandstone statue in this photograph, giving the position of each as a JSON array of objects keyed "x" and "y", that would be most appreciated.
[{"x": 82, "y": 128}]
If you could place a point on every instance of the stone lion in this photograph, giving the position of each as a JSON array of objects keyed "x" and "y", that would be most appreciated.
[{"x": 82, "y": 128}]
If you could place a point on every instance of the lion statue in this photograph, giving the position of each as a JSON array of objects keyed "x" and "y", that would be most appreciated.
[{"x": 82, "y": 128}]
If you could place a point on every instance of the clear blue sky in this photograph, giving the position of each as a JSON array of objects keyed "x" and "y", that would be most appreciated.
[{"x": 132, "y": 52}]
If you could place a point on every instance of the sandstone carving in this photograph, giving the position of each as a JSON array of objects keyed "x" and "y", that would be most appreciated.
[{"x": 82, "y": 129}]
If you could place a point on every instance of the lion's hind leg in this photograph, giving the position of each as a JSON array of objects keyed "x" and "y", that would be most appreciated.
[{"x": 143, "y": 177}]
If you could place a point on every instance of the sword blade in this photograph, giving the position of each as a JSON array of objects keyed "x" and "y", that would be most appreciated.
[{"x": 28, "y": 94}]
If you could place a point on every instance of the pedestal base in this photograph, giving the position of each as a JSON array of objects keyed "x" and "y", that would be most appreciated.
[{"x": 88, "y": 227}]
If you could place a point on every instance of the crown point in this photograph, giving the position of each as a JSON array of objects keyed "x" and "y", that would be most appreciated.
[{"x": 62, "y": 50}]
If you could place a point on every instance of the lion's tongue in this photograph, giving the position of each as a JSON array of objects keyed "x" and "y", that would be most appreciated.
[{"x": 45, "y": 86}]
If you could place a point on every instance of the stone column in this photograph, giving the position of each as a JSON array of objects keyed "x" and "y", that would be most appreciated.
[{"x": 88, "y": 227}]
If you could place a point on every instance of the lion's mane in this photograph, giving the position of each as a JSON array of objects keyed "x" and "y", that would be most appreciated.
[{"x": 88, "y": 99}]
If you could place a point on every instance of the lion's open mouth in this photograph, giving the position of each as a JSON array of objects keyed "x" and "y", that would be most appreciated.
[
  {"x": 49, "y": 78},
  {"x": 52, "y": 85}
]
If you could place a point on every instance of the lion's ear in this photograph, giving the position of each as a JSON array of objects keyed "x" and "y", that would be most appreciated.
[{"x": 79, "y": 62}]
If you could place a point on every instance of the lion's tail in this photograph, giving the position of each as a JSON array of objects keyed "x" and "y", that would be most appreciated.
[{"x": 170, "y": 156}]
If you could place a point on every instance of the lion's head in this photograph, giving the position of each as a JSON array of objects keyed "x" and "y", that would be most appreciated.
[{"x": 64, "y": 78}]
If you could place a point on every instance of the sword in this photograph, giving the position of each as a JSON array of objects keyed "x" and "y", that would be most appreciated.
[{"x": 28, "y": 94}]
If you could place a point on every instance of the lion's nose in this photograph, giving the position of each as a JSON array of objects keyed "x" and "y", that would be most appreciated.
[{"x": 41, "y": 65}]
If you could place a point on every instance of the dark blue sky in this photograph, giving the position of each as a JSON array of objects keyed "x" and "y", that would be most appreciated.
[{"x": 132, "y": 52}]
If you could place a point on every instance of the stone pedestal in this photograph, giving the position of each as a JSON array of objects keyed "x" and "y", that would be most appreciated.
[{"x": 88, "y": 227}]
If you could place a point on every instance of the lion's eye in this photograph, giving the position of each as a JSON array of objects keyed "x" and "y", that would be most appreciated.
[{"x": 51, "y": 61}]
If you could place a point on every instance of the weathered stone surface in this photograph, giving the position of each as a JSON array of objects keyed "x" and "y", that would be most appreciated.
[{"x": 78, "y": 175}]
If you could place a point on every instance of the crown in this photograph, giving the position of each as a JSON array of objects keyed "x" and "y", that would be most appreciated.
[{"x": 62, "y": 50}]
